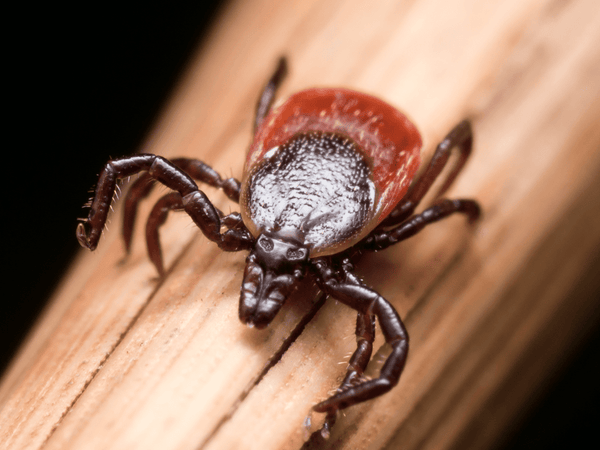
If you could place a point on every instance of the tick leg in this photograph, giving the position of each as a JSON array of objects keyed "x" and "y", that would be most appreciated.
[
  {"x": 158, "y": 216},
  {"x": 143, "y": 185},
  {"x": 268, "y": 94},
  {"x": 367, "y": 302},
  {"x": 194, "y": 201},
  {"x": 365, "y": 335},
  {"x": 378, "y": 239},
  {"x": 461, "y": 138}
]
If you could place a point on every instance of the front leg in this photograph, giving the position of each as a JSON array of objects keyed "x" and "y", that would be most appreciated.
[
  {"x": 194, "y": 201},
  {"x": 365, "y": 335},
  {"x": 367, "y": 302}
]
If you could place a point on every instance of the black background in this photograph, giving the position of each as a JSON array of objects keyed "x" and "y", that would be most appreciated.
[{"x": 87, "y": 84}]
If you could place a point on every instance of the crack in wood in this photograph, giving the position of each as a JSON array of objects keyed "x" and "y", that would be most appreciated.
[{"x": 287, "y": 343}]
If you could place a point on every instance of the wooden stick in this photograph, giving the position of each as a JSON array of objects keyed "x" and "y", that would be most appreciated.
[{"x": 121, "y": 360}]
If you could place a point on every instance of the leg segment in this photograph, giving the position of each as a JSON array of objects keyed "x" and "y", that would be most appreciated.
[
  {"x": 194, "y": 201},
  {"x": 365, "y": 335},
  {"x": 158, "y": 216},
  {"x": 367, "y": 302},
  {"x": 378, "y": 239},
  {"x": 461, "y": 138},
  {"x": 268, "y": 94},
  {"x": 198, "y": 170}
]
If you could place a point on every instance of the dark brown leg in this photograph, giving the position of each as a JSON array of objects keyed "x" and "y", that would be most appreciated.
[
  {"x": 198, "y": 170},
  {"x": 367, "y": 302},
  {"x": 194, "y": 201},
  {"x": 461, "y": 138},
  {"x": 138, "y": 190},
  {"x": 378, "y": 239},
  {"x": 268, "y": 94},
  {"x": 158, "y": 216},
  {"x": 365, "y": 335}
]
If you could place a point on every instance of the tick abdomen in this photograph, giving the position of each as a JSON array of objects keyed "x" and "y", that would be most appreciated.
[{"x": 316, "y": 183}]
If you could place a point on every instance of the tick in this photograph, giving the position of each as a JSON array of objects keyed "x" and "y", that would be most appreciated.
[{"x": 329, "y": 175}]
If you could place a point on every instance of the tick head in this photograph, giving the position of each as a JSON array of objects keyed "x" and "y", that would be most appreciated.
[{"x": 272, "y": 269}]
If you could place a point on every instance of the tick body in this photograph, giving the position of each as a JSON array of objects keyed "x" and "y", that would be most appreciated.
[
  {"x": 329, "y": 175},
  {"x": 330, "y": 164}
]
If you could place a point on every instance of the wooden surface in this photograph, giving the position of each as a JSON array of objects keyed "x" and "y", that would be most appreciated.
[{"x": 122, "y": 361}]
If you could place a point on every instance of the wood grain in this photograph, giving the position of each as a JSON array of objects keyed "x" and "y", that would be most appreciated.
[{"x": 121, "y": 360}]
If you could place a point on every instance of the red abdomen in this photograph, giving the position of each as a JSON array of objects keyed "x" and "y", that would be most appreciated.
[{"x": 389, "y": 142}]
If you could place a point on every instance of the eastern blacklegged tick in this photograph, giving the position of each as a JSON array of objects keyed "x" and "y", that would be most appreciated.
[{"x": 329, "y": 175}]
